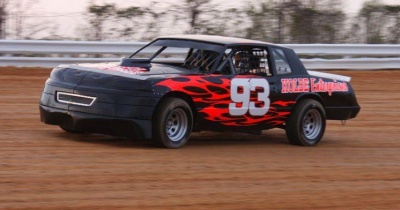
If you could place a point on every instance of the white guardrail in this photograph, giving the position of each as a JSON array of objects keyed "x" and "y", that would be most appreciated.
[{"x": 37, "y": 53}]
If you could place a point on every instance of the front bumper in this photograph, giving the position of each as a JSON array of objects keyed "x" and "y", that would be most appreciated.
[{"x": 92, "y": 123}]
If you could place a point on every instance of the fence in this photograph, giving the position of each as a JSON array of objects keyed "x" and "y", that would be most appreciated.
[{"x": 37, "y": 53}]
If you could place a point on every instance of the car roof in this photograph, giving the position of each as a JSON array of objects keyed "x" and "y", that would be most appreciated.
[{"x": 221, "y": 40}]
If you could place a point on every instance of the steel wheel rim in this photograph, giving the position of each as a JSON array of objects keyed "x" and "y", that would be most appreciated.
[
  {"x": 312, "y": 124},
  {"x": 176, "y": 125}
]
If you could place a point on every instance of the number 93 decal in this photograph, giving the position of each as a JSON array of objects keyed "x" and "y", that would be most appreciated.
[{"x": 241, "y": 89}]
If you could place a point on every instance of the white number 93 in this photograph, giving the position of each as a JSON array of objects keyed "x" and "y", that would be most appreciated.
[{"x": 241, "y": 89}]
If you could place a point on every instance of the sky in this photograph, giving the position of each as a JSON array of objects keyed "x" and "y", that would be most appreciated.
[{"x": 68, "y": 13}]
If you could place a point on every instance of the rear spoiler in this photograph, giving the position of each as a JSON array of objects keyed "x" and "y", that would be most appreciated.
[{"x": 329, "y": 76}]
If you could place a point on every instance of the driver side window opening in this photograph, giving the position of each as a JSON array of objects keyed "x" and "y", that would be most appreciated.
[{"x": 253, "y": 61}]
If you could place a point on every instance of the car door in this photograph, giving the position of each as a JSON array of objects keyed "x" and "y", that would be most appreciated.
[{"x": 253, "y": 88}]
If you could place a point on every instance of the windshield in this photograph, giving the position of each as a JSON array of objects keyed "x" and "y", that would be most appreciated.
[{"x": 188, "y": 55}]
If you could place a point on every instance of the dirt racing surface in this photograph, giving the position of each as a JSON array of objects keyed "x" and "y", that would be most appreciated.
[{"x": 356, "y": 166}]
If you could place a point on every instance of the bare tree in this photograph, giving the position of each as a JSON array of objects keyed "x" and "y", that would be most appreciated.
[
  {"x": 229, "y": 22},
  {"x": 156, "y": 18},
  {"x": 21, "y": 20},
  {"x": 98, "y": 16},
  {"x": 3, "y": 18},
  {"x": 19, "y": 17},
  {"x": 261, "y": 19},
  {"x": 379, "y": 23},
  {"x": 195, "y": 13},
  {"x": 270, "y": 20},
  {"x": 195, "y": 9},
  {"x": 393, "y": 12},
  {"x": 373, "y": 20},
  {"x": 131, "y": 21},
  {"x": 279, "y": 11},
  {"x": 314, "y": 22},
  {"x": 306, "y": 21}
]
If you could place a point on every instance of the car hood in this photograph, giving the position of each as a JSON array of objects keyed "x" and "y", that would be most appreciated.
[
  {"x": 112, "y": 76},
  {"x": 155, "y": 70}
]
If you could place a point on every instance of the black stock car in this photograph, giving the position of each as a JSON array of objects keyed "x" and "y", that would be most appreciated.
[{"x": 179, "y": 84}]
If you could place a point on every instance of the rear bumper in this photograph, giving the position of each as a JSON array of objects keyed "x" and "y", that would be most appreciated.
[
  {"x": 92, "y": 123},
  {"x": 341, "y": 113}
]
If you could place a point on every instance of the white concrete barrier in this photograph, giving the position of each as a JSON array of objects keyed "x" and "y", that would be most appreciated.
[{"x": 38, "y": 53}]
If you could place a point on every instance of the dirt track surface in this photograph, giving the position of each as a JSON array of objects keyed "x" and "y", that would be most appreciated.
[{"x": 356, "y": 166}]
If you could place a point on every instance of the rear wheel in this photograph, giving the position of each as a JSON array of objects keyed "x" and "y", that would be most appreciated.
[
  {"x": 306, "y": 124},
  {"x": 172, "y": 123}
]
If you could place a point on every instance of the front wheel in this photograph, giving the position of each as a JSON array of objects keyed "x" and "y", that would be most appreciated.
[
  {"x": 306, "y": 124},
  {"x": 172, "y": 123}
]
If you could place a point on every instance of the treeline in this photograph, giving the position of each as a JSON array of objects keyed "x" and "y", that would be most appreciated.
[{"x": 278, "y": 21}]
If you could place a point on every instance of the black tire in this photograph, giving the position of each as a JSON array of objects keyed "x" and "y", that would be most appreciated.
[
  {"x": 306, "y": 125},
  {"x": 172, "y": 123},
  {"x": 70, "y": 130}
]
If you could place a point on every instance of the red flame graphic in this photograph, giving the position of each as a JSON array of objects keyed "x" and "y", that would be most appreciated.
[
  {"x": 212, "y": 97},
  {"x": 116, "y": 67}
]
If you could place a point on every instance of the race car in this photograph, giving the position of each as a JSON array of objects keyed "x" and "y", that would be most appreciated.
[{"x": 176, "y": 85}]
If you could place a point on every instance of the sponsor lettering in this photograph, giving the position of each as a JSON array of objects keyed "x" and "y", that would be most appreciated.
[
  {"x": 296, "y": 85},
  {"x": 305, "y": 85}
]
